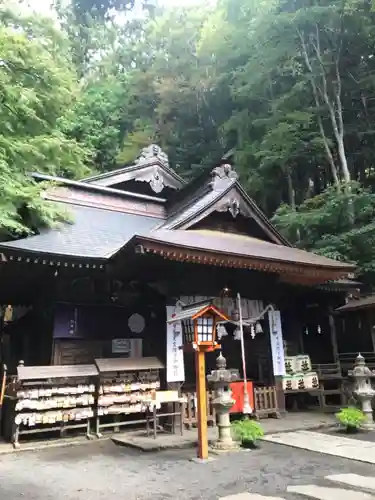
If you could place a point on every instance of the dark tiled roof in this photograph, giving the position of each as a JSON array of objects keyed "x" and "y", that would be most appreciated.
[
  {"x": 199, "y": 195},
  {"x": 192, "y": 190},
  {"x": 243, "y": 246},
  {"x": 95, "y": 233},
  {"x": 193, "y": 207},
  {"x": 356, "y": 305}
]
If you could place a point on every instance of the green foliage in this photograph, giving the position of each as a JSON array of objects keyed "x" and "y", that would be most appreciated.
[
  {"x": 338, "y": 223},
  {"x": 247, "y": 430},
  {"x": 289, "y": 84},
  {"x": 100, "y": 8},
  {"x": 350, "y": 418},
  {"x": 174, "y": 87},
  {"x": 95, "y": 120},
  {"x": 36, "y": 87}
]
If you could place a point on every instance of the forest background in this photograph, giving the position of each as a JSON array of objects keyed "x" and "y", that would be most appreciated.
[{"x": 289, "y": 85}]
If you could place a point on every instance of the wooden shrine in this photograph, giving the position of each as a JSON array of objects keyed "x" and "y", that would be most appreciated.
[{"x": 142, "y": 240}]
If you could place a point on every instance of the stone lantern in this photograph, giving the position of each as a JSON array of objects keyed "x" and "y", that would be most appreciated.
[
  {"x": 223, "y": 402},
  {"x": 363, "y": 389}
]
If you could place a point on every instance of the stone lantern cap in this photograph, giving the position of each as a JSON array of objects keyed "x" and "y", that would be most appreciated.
[
  {"x": 360, "y": 368},
  {"x": 222, "y": 374},
  {"x": 221, "y": 362}
]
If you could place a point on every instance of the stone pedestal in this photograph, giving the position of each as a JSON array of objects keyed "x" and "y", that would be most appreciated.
[
  {"x": 367, "y": 410},
  {"x": 225, "y": 441},
  {"x": 363, "y": 389},
  {"x": 223, "y": 402}
]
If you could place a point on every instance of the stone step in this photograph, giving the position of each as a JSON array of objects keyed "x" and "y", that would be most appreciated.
[
  {"x": 316, "y": 492},
  {"x": 327, "y": 493},
  {"x": 249, "y": 496},
  {"x": 355, "y": 480},
  {"x": 338, "y": 446}
]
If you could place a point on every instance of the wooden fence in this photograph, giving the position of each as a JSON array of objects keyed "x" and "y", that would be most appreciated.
[
  {"x": 265, "y": 402},
  {"x": 190, "y": 409},
  {"x": 265, "y": 405}
]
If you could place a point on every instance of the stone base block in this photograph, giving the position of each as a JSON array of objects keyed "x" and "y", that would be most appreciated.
[
  {"x": 202, "y": 460},
  {"x": 220, "y": 446}
]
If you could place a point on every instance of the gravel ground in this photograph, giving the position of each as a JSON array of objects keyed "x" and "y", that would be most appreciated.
[{"x": 101, "y": 470}]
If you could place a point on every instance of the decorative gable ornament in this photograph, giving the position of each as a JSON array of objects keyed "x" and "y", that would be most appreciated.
[
  {"x": 233, "y": 207},
  {"x": 223, "y": 175},
  {"x": 157, "y": 182},
  {"x": 234, "y": 203},
  {"x": 154, "y": 168},
  {"x": 151, "y": 166},
  {"x": 152, "y": 152}
]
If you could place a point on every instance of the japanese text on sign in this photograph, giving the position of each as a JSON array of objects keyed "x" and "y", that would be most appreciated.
[
  {"x": 175, "y": 355},
  {"x": 277, "y": 346}
]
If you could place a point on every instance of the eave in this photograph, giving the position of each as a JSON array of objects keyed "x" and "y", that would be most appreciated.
[{"x": 294, "y": 266}]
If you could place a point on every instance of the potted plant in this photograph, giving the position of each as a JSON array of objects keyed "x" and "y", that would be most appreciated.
[
  {"x": 350, "y": 419},
  {"x": 248, "y": 432}
]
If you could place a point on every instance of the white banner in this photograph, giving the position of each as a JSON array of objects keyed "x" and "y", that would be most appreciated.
[
  {"x": 277, "y": 345},
  {"x": 175, "y": 355}
]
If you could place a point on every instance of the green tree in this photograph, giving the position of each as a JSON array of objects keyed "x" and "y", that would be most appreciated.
[
  {"x": 36, "y": 87},
  {"x": 176, "y": 88},
  {"x": 324, "y": 225},
  {"x": 95, "y": 120}
]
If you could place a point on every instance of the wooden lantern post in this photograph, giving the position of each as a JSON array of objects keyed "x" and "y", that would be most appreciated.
[{"x": 199, "y": 333}]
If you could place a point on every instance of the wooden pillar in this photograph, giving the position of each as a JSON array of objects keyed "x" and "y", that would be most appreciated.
[
  {"x": 280, "y": 396},
  {"x": 200, "y": 366},
  {"x": 372, "y": 329},
  {"x": 333, "y": 333}
]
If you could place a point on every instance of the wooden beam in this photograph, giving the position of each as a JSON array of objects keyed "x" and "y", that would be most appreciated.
[{"x": 333, "y": 334}]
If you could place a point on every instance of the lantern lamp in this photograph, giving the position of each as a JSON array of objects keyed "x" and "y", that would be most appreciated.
[{"x": 199, "y": 322}]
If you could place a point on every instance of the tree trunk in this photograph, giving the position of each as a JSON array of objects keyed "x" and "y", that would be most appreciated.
[
  {"x": 334, "y": 105},
  {"x": 291, "y": 192},
  {"x": 343, "y": 159},
  {"x": 318, "y": 104},
  {"x": 327, "y": 149}
]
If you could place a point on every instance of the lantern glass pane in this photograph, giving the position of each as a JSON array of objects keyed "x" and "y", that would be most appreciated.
[
  {"x": 205, "y": 326},
  {"x": 188, "y": 329}
]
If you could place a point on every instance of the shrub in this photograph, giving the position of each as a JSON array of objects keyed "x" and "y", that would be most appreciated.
[
  {"x": 351, "y": 418},
  {"x": 247, "y": 431}
]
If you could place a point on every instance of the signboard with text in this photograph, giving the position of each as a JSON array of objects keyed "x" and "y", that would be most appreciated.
[
  {"x": 175, "y": 355},
  {"x": 277, "y": 345}
]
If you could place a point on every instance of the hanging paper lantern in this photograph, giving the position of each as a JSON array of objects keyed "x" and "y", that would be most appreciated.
[
  {"x": 237, "y": 334},
  {"x": 221, "y": 331},
  {"x": 252, "y": 332},
  {"x": 258, "y": 328}
]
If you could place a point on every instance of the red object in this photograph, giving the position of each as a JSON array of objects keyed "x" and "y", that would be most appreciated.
[{"x": 237, "y": 394}]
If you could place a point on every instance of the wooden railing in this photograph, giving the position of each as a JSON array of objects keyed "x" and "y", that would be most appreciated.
[
  {"x": 328, "y": 371},
  {"x": 265, "y": 405},
  {"x": 190, "y": 409},
  {"x": 265, "y": 401}
]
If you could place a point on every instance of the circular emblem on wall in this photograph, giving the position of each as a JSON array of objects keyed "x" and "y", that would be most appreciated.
[{"x": 136, "y": 323}]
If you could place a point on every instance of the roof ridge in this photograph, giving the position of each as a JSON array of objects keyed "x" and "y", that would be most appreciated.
[
  {"x": 148, "y": 156},
  {"x": 215, "y": 196},
  {"x": 94, "y": 187}
]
